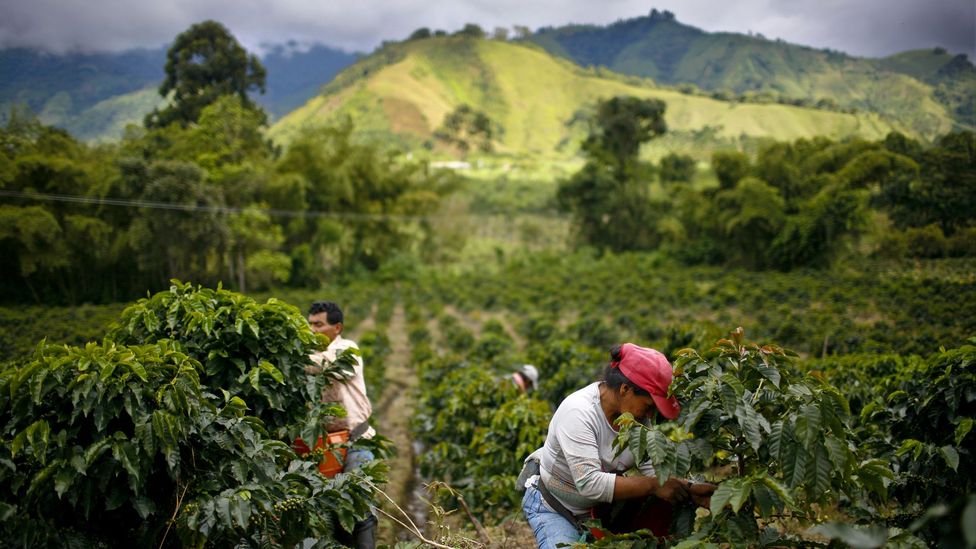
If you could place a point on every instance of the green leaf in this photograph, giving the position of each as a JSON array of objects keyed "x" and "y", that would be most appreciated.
[
  {"x": 698, "y": 407},
  {"x": 740, "y": 494},
  {"x": 38, "y": 435},
  {"x": 730, "y": 400},
  {"x": 770, "y": 373},
  {"x": 682, "y": 460},
  {"x": 951, "y": 456},
  {"x": 875, "y": 475},
  {"x": 125, "y": 453},
  {"x": 808, "y": 425},
  {"x": 7, "y": 511},
  {"x": 819, "y": 470},
  {"x": 223, "y": 511},
  {"x": 63, "y": 480},
  {"x": 908, "y": 446},
  {"x": 140, "y": 371},
  {"x": 962, "y": 429},
  {"x": 794, "y": 458},
  {"x": 776, "y": 439},
  {"x": 144, "y": 506},
  {"x": 720, "y": 498},
  {"x": 779, "y": 491},
  {"x": 241, "y": 511},
  {"x": 748, "y": 420},
  {"x": 269, "y": 369},
  {"x": 840, "y": 454}
]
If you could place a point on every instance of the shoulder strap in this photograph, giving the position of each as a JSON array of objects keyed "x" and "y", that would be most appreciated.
[
  {"x": 359, "y": 431},
  {"x": 559, "y": 507}
]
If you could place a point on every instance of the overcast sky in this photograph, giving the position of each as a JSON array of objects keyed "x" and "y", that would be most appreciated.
[{"x": 860, "y": 27}]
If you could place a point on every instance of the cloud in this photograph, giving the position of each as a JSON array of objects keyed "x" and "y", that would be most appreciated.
[{"x": 863, "y": 27}]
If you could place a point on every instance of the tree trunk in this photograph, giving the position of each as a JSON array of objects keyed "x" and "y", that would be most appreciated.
[{"x": 241, "y": 287}]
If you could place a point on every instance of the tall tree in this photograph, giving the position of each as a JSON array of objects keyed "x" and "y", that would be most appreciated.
[
  {"x": 609, "y": 196},
  {"x": 204, "y": 63}
]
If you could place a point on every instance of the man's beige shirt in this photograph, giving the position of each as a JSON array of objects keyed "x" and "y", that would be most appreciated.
[{"x": 351, "y": 394}]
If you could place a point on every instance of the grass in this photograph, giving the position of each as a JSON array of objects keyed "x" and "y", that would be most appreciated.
[{"x": 532, "y": 95}]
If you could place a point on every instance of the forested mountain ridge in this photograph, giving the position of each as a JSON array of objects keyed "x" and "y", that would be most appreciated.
[
  {"x": 907, "y": 87},
  {"x": 926, "y": 93},
  {"x": 407, "y": 91},
  {"x": 94, "y": 95}
]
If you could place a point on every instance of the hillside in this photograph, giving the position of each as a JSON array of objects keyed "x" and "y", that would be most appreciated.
[
  {"x": 94, "y": 95},
  {"x": 660, "y": 47},
  {"x": 404, "y": 91},
  {"x": 952, "y": 76}
]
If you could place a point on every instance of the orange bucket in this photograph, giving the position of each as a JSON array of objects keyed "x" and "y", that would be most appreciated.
[{"x": 329, "y": 466}]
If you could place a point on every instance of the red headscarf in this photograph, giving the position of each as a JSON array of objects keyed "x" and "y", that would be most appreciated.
[{"x": 651, "y": 371}]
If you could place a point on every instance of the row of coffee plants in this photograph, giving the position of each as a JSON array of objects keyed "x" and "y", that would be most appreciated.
[
  {"x": 874, "y": 307},
  {"x": 173, "y": 431},
  {"x": 864, "y": 448},
  {"x": 474, "y": 424}
]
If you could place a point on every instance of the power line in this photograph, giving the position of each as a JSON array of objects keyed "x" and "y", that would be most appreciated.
[{"x": 206, "y": 209}]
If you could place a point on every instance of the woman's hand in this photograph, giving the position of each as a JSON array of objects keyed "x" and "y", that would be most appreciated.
[
  {"x": 701, "y": 493},
  {"x": 674, "y": 490},
  {"x": 313, "y": 370}
]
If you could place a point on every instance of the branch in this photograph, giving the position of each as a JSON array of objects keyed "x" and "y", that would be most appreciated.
[
  {"x": 477, "y": 524},
  {"x": 176, "y": 510},
  {"x": 412, "y": 528}
]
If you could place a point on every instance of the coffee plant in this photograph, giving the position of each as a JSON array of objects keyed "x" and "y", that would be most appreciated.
[
  {"x": 153, "y": 444},
  {"x": 781, "y": 438}
]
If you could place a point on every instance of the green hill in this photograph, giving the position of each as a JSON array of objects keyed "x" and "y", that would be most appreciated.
[
  {"x": 95, "y": 95},
  {"x": 660, "y": 47},
  {"x": 952, "y": 76},
  {"x": 403, "y": 92}
]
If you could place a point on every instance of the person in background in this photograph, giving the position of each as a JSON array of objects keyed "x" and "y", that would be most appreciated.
[
  {"x": 577, "y": 468},
  {"x": 526, "y": 378},
  {"x": 325, "y": 317}
]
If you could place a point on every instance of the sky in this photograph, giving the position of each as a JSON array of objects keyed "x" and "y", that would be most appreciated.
[{"x": 869, "y": 28}]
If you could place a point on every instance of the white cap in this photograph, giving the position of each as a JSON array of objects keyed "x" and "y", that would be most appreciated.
[{"x": 530, "y": 372}]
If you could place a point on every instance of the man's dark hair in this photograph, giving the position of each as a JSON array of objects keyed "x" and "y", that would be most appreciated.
[
  {"x": 614, "y": 378},
  {"x": 332, "y": 311}
]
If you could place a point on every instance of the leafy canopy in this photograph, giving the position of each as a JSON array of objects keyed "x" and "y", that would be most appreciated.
[{"x": 204, "y": 63}]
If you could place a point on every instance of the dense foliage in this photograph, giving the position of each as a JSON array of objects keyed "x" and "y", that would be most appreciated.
[
  {"x": 179, "y": 436},
  {"x": 810, "y": 203},
  {"x": 96, "y": 224}
]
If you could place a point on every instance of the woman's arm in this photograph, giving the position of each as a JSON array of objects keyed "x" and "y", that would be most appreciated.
[{"x": 673, "y": 490}]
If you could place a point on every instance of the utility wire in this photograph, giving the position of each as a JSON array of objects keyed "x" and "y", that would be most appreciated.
[{"x": 208, "y": 209}]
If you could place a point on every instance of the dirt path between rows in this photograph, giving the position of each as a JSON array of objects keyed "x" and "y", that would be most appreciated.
[{"x": 393, "y": 411}]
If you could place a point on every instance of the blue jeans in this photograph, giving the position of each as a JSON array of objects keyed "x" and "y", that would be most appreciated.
[
  {"x": 549, "y": 526},
  {"x": 356, "y": 458}
]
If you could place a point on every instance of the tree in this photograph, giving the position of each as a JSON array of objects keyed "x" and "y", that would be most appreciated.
[
  {"x": 368, "y": 194},
  {"x": 750, "y": 216},
  {"x": 204, "y": 63},
  {"x": 419, "y": 34},
  {"x": 500, "y": 33},
  {"x": 202, "y": 232},
  {"x": 608, "y": 197},
  {"x": 677, "y": 167},
  {"x": 621, "y": 125},
  {"x": 465, "y": 127},
  {"x": 472, "y": 30},
  {"x": 730, "y": 167},
  {"x": 522, "y": 32},
  {"x": 815, "y": 235}
]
